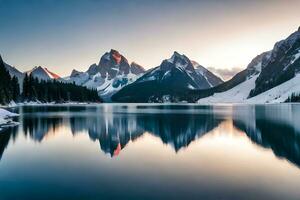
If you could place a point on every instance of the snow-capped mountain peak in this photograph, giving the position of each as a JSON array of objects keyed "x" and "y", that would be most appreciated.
[
  {"x": 43, "y": 73},
  {"x": 179, "y": 61},
  {"x": 175, "y": 75},
  {"x": 270, "y": 77},
  {"x": 176, "y": 57},
  {"x": 116, "y": 56},
  {"x": 283, "y": 46},
  {"x": 283, "y": 64},
  {"x": 256, "y": 65},
  {"x": 93, "y": 69},
  {"x": 75, "y": 73},
  {"x": 111, "y": 74}
]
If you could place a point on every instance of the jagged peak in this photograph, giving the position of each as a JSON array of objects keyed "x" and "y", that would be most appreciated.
[
  {"x": 176, "y": 54},
  {"x": 136, "y": 64},
  {"x": 290, "y": 40},
  {"x": 112, "y": 51},
  {"x": 177, "y": 57},
  {"x": 259, "y": 58},
  {"x": 37, "y": 68},
  {"x": 44, "y": 70},
  {"x": 294, "y": 36},
  {"x": 74, "y": 72},
  {"x": 285, "y": 45},
  {"x": 114, "y": 55}
]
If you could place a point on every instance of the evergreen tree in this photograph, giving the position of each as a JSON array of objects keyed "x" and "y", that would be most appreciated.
[
  {"x": 49, "y": 91},
  {"x": 6, "y": 85},
  {"x": 44, "y": 91},
  {"x": 25, "y": 93},
  {"x": 294, "y": 98},
  {"x": 15, "y": 89}
]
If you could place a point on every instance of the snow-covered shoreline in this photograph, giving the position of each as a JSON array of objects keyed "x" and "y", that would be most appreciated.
[
  {"x": 36, "y": 103},
  {"x": 145, "y": 104},
  {"x": 6, "y": 119}
]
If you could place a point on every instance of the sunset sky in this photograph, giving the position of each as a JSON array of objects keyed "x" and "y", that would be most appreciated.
[{"x": 66, "y": 34}]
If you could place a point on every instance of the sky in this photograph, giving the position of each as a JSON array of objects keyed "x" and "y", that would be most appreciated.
[{"x": 222, "y": 35}]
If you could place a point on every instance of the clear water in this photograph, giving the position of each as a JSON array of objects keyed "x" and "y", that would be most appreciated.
[{"x": 152, "y": 152}]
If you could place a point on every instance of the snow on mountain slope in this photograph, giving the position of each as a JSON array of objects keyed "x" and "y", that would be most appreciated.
[
  {"x": 109, "y": 87},
  {"x": 42, "y": 73},
  {"x": 79, "y": 78},
  {"x": 171, "y": 80},
  {"x": 279, "y": 93},
  {"x": 111, "y": 74},
  {"x": 275, "y": 75},
  {"x": 14, "y": 72},
  {"x": 211, "y": 78},
  {"x": 179, "y": 70},
  {"x": 238, "y": 94},
  {"x": 282, "y": 65}
]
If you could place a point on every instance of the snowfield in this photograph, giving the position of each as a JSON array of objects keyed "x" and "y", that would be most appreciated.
[
  {"x": 240, "y": 93},
  {"x": 5, "y": 119},
  {"x": 279, "y": 93}
]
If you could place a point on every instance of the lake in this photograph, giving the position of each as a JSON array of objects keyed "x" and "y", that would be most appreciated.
[{"x": 140, "y": 151}]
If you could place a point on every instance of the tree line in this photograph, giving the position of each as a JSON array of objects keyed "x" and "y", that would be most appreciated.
[
  {"x": 41, "y": 90},
  {"x": 9, "y": 86},
  {"x": 294, "y": 98}
]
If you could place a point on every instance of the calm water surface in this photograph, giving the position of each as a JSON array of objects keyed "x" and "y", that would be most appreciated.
[{"x": 152, "y": 152}]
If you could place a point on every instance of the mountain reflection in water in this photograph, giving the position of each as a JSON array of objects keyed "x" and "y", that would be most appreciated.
[{"x": 273, "y": 127}]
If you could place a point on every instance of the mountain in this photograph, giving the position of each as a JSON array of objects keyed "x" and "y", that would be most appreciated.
[
  {"x": 111, "y": 74},
  {"x": 14, "y": 72},
  {"x": 37, "y": 72},
  {"x": 136, "y": 68},
  {"x": 237, "y": 89},
  {"x": 211, "y": 78},
  {"x": 271, "y": 77},
  {"x": 110, "y": 65},
  {"x": 168, "y": 81},
  {"x": 283, "y": 65},
  {"x": 42, "y": 73},
  {"x": 9, "y": 86}
]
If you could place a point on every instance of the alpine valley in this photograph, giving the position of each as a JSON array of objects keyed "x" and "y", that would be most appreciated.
[{"x": 271, "y": 77}]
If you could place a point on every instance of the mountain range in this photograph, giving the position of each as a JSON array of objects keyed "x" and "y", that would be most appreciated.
[
  {"x": 111, "y": 74},
  {"x": 272, "y": 76},
  {"x": 164, "y": 83}
]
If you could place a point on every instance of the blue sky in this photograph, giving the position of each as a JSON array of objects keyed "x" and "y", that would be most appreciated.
[{"x": 67, "y": 34}]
